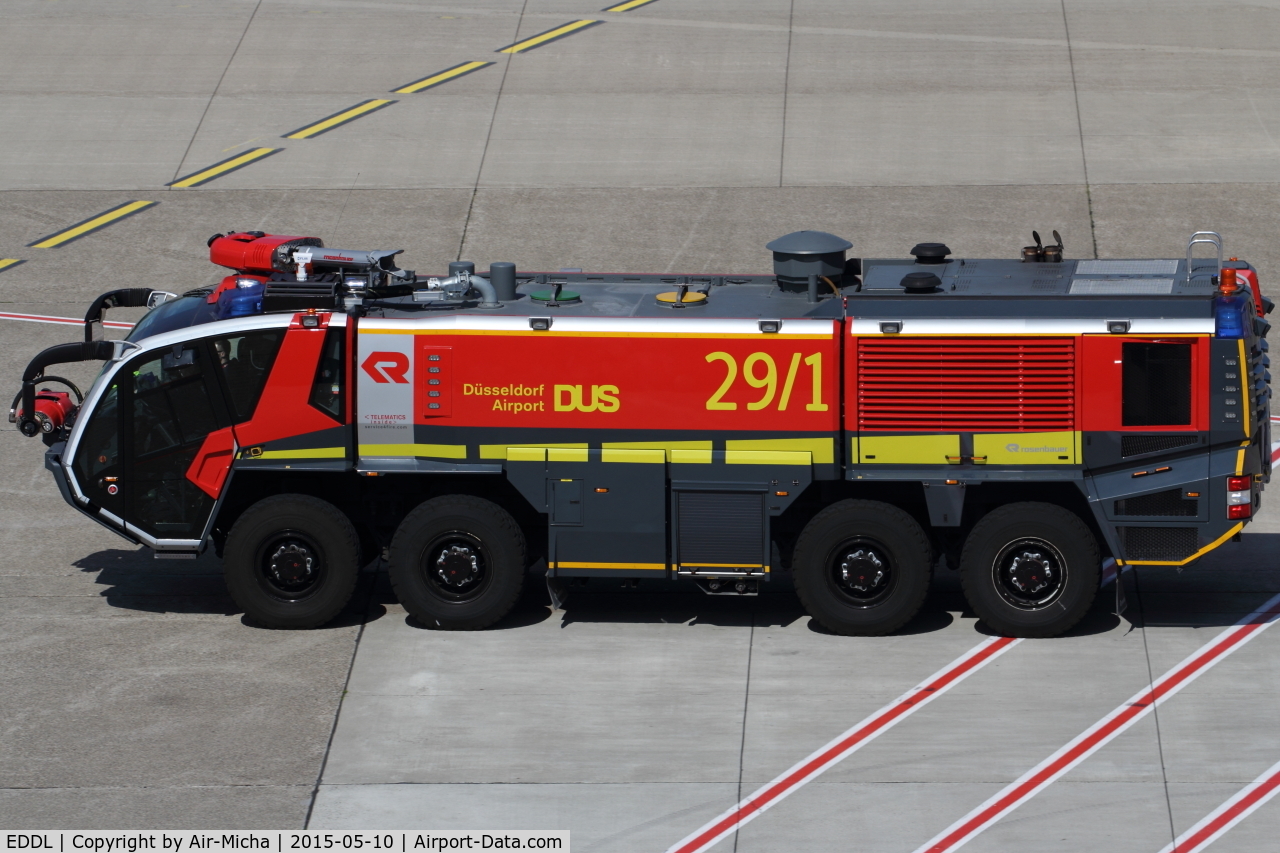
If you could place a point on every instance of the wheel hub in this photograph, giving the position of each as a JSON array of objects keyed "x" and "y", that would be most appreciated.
[
  {"x": 292, "y": 564},
  {"x": 862, "y": 570},
  {"x": 1030, "y": 572},
  {"x": 457, "y": 565}
]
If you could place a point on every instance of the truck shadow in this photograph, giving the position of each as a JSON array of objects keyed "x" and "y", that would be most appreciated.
[
  {"x": 1216, "y": 591},
  {"x": 135, "y": 580}
]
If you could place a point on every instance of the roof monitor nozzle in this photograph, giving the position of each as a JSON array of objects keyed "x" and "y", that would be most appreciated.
[
  {"x": 930, "y": 253},
  {"x": 802, "y": 254},
  {"x": 1042, "y": 254}
]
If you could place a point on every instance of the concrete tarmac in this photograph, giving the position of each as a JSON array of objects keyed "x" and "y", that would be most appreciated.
[{"x": 678, "y": 137}]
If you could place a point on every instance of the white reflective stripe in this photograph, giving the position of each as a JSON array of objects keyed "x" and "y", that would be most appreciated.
[
  {"x": 561, "y": 323},
  {"x": 1030, "y": 326},
  {"x": 217, "y": 329}
]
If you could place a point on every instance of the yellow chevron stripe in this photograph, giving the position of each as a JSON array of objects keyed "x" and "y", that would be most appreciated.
[
  {"x": 338, "y": 119},
  {"x": 440, "y": 77},
  {"x": 549, "y": 35},
  {"x": 217, "y": 170},
  {"x": 102, "y": 220}
]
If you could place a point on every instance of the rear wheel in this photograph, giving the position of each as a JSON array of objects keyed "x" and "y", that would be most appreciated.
[
  {"x": 458, "y": 562},
  {"x": 291, "y": 561},
  {"x": 1030, "y": 569},
  {"x": 862, "y": 567}
]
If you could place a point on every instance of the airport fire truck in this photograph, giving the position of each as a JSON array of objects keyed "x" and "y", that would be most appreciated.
[{"x": 852, "y": 422}]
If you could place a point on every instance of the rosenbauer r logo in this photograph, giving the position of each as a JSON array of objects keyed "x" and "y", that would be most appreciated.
[
  {"x": 1014, "y": 448},
  {"x": 384, "y": 367}
]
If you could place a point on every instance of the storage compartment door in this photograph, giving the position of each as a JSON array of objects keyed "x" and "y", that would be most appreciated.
[
  {"x": 608, "y": 518},
  {"x": 721, "y": 532}
]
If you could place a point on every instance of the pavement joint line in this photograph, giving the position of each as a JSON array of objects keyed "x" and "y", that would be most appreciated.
[
  {"x": 217, "y": 87},
  {"x": 10, "y": 263},
  {"x": 94, "y": 223},
  {"x": 346, "y": 686},
  {"x": 628, "y": 6},
  {"x": 844, "y": 745},
  {"x": 47, "y": 318},
  {"x": 223, "y": 167},
  {"x": 548, "y": 36},
  {"x": 1239, "y": 806},
  {"x": 338, "y": 119},
  {"x": 433, "y": 80},
  {"x": 1104, "y": 731}
]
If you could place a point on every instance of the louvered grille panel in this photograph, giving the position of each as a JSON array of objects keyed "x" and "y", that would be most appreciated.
[{"x": 966, "y": 384}]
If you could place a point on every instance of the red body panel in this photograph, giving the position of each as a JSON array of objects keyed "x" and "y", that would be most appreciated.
[
  {"x": 283, "y": 410},
  {"x": 1102, "y": 387},
  {"x": 635, "y": 382},
  {"x": 961, "y": 384},
  {"x": 1250, "y": 277},
  {"x": 209, "y": 469}
]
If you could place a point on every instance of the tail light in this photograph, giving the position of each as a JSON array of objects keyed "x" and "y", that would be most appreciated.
[{"x": 1239, "y": 497}]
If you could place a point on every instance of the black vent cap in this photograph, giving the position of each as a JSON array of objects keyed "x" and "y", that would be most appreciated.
[
  {"x": 809, "y": 243},
  {"x": 921, "y": 282},
  {"x": 930, "y": 253}
]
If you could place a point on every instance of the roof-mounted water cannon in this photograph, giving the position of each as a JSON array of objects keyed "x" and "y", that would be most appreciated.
[{"x": 462, "y": 279}]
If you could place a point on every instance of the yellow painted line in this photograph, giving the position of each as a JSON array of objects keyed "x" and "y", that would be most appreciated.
[
  {"x": 217, "y": 170},
  {"x": 440, "y": 77},
  {"x": 767, "y": 457},
  {"x": 823, "y": 449},
  {"x": 722, "y": 566},
  {"x": 93, "y": 223},
  {"x": 609, "y": 448},
  {"x": 643, "y": 567},
  {"x": 566, "y": 454},
  {"x": 1197, "y": 555},
  {"x": 547, "y": 37},
  {"x": 8, "y": 263},
  {"x": 499, "y": 451},
  {"x": 689, "y": 457},
  {"x": 338, "y": 119},
  {"x": 658, "y": 457},
  {"x": 755, "y": 336},
  {"x": 309, "y": 453},
  {"x": 629, "y": 5},
  {"x": 443, "y": 451}
]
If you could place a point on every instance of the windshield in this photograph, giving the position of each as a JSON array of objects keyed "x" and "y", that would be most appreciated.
[{"x": 177, "y": 313}]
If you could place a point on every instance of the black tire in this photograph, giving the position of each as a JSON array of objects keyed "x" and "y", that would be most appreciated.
[
  {"x": 1030, "y": 569},
  {"x": 458, "y": 563},
  {"x": 862, "y": 568},
  {"x": 292, "y": 561}
]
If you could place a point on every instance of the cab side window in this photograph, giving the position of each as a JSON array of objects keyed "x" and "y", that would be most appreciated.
[
  {"x": 326, "y": 388},
  {"x": 1157, "y": 384},
  {"x": 245, "y": 362}
]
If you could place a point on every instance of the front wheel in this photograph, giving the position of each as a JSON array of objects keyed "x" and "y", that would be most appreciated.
[
  {"x": 292, "y": 561},
  {"x": 1030, "y": 569},
  {"x": 862, "y": 567},
  {"x": 457, "y": 562}
]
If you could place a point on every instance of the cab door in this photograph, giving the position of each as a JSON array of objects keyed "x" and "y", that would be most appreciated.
[{"x": 171, "y": 403}]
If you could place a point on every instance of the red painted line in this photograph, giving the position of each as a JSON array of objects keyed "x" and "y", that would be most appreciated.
[
  {"x": 1242, "y": 804},
  {"x": 844, "y": 745},
  {"x": 72, "y": 321},
  {"x": 1102, "y": 732}
]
